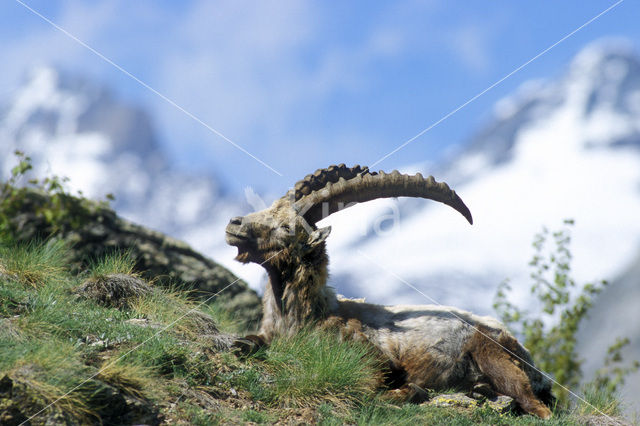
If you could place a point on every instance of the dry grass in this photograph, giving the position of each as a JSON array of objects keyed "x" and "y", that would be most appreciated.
[{"x": 133, "y": 379}]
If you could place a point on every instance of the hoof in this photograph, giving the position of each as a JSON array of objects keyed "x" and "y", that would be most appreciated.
[
  {"x": 417, "y": 394},
  {"x": 248, "y": 345},
  {"x": 483, "y": 390}
]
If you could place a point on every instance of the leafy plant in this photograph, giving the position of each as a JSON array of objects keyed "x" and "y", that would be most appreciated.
[
  {"x": 59, "y": 208},
  {"x": 612, "y": 375},
  {"x": 550, "y": 333}
]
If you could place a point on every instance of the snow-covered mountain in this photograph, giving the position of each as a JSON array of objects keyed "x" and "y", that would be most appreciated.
[
  {"x": 75, "y": 128},
  {"x": 568, "y": 148}
]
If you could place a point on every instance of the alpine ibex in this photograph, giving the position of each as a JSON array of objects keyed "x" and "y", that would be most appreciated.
[{"x": 425, "y": 346}]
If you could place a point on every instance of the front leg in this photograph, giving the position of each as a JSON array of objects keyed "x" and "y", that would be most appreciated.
[{"x": 249, "y": 345}]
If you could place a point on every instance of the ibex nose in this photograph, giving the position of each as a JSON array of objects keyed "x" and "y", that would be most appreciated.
[{"x": 236, "y": 220}]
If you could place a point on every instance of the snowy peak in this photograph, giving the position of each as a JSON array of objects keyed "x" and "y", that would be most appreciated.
[
  {"x": 604, "y": 85},
  {"x": 601, "y": 89},
  {"x": 62, "y": 104},
  {"x": 605, "y": 73},
  {"x": 566, "y": 148},
  {"x": 44, "y": 101},
  {"x": 73, "y": 127}
]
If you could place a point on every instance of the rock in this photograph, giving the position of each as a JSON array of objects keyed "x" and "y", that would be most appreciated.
[
  {"x": 113, "y": 290},
  {"x": 143, "y": 322},
  {"x": 453, "y": 400},
  {"x": 501, "y": 404},
  {"x": 94, "y": 231},
  {"x": 8, "y": 328}
]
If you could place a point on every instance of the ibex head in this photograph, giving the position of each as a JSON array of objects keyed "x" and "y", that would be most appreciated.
[{"x": 289, "y": 225}]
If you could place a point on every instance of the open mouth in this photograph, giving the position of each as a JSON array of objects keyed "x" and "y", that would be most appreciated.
[
  {"x": 235, "y": 239},
  {"x": 239, "y": 241}
]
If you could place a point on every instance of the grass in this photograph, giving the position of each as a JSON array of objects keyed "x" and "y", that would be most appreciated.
[
  {"x": 314, "y": 366},
  {"x": 34, "y": 263},
  {"x": 53, "y": 372},
  {"x": 310, "y": 368},
  {"x": 115, "y": 262},
  {"x": 72, "y": 350},
  {"x": 598, "y": 401}
]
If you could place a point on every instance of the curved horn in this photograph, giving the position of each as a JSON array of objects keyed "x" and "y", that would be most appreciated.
[{"x": 363, "y": 186}]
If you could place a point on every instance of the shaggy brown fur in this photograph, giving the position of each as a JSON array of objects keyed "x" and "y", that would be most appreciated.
[{"x": 423, "y": 346}]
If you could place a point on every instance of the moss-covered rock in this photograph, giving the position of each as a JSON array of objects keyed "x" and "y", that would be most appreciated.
[{"x": 500, "y": 404}]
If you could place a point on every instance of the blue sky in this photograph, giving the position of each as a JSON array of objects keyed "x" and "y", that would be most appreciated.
[{"x": 302, "y": 85}]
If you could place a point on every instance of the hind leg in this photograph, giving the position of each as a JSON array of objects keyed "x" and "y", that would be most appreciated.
[{"x": 507, "y": 377}]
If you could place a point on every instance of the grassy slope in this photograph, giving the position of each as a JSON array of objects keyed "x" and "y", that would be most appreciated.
[{"x": 76, "y": 351}]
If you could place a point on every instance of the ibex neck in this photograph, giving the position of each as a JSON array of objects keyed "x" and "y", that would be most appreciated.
[{"x": 297, "y": 294}]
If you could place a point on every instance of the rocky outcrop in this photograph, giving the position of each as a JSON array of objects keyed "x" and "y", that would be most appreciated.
[{"x": 94, "y": 230}]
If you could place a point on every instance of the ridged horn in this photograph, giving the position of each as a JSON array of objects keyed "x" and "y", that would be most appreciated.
[
  {"x": 367, "y": 186},
  {"x": 321, "y": 177}
]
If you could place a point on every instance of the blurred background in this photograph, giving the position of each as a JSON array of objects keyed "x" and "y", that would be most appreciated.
[{"x": 189, "y": 112}]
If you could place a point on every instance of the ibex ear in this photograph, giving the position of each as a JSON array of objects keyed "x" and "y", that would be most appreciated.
[{"x": 318, "y": 236}]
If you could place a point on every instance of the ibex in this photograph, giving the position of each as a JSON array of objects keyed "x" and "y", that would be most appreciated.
[{"x": 427, "y": 346}]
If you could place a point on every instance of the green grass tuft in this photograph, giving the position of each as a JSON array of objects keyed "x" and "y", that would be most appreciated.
[
  {"x": 598, "y": 401},
  {"x": 34, "y": 264},
  {"x": 312, "y": 367},
  {"x": 117, "y": 262},
  {"x": 315, "y": 365}
]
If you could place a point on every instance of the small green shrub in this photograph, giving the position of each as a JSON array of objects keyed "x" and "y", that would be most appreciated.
[
  {"x": 257, "y": 417},
  {"x": 550, "y": 333},
  {"x": 611, "y": 376},
  {"x": 598, "y": 400}
]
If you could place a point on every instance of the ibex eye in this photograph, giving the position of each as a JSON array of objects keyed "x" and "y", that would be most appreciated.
[{"x": 286, "y": 227}]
